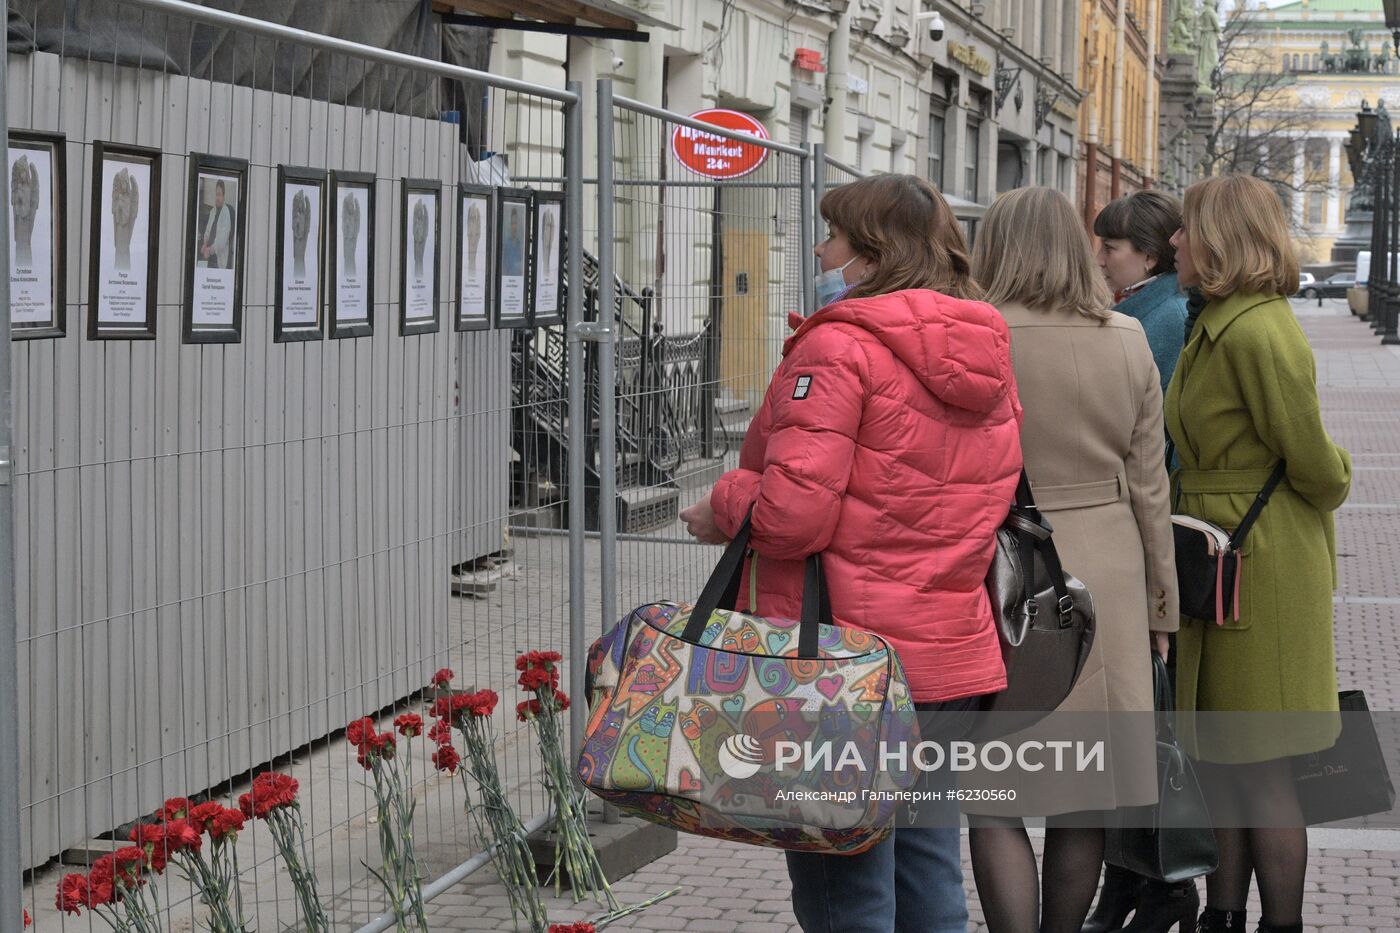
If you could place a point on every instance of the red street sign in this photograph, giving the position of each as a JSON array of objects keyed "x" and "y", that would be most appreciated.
[{"x": 717, "y": 156}]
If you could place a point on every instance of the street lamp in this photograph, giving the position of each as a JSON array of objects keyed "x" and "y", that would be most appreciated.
[{"x": 1392, "y": 21}]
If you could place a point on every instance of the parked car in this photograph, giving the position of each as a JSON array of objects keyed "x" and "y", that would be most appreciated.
[
  {"x": 1334, "y": 286},
  {"x": 1304, "y": 280}
]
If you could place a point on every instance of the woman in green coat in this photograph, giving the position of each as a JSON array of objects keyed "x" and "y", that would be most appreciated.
[{"x": 1244, "y": 397}]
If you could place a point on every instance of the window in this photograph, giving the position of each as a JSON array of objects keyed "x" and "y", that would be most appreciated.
[
  {"x": 1316, "y": 206},
  {"x": 1045, "y": 167},
  {"x": 937, "y": 127},
  {"x": 972, "y": 170}
]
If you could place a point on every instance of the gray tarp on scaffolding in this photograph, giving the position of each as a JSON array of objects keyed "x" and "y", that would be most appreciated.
[{"x": 113, "y": 31}]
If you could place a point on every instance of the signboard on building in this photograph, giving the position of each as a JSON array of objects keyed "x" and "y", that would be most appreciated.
[{"x": 716, "y": 156}]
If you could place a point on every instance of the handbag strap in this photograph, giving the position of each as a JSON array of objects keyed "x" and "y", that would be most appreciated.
[
  {"x": 1257, "y": 506},
  {"x": 1033, "y": 533},
  {"x": 722, "y": 591}
]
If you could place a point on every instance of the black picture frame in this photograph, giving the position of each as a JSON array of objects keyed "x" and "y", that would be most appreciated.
[
  {"x": 550, "y": 253},
  {"x": 221, "y": 167},
  {"x": 282, "y": 331},
  {"x": 56, "y": 146},
  {"x": 510, "y": 281},
  {"x": 146, "y": 202},
  {"x": 344, "y": 324},
  {"x": 409, "y": 258},
  {"x": 484, "y": 198}
]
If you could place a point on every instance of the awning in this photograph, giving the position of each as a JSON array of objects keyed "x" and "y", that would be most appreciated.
[
  {"x": 603, "y": 14},
  {"x": 963, "y": 207}
]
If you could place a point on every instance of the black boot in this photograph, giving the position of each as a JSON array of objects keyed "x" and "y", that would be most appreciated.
[
  {"x": 1213, "y": 920},
  {"x": 1163, "y": 906},
  {"x": 1121, "y": 890}
]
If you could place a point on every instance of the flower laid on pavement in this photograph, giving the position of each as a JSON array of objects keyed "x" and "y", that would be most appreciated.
[
  {"x": 496, "y": 821},
  {"x": 398, "y": 873}
]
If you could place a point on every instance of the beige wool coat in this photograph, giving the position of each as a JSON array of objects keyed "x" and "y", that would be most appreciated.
[{"x": 1095, "y": 451}]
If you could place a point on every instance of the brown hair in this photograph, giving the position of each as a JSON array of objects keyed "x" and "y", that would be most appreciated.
[
  {"x": 1033, "y": 250},
  {"x": 1239, "y": 237},
  {"x": 903, "y": 223},
  {"x": 1146, "y": 219}
]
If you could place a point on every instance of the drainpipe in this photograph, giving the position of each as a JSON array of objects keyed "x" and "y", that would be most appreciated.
[
  {"x": 1149, "y": 135},
  {"x": 837, "y": 89},
  {"x": 1120, "y": 35}
]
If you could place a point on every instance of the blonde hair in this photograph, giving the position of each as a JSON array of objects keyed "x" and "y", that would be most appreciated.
[
  {"x": 1238, "y": 237},
  {"x": 1033, "y": 250},
  {"x": 903, "y": 223}
]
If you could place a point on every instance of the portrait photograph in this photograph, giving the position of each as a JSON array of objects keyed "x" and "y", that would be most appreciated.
[
  {"x": 122, "y": 276},
  {"x": 214, "y": 249},
  {"x": 300, "y": 197},
  {"x": 38, "y": 234},
  {"x": 418, "y": 294},
  {"x": 512, "y": 256},
  {"x": 474, "y": 228},
  {"x": 351, "y": 254},
  {"x": 546, "y": 291}
]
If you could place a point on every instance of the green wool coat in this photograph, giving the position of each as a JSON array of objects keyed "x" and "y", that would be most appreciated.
[{"x": 1243, "y": 395}]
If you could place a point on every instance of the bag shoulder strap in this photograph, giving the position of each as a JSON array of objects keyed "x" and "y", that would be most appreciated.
[{"x": 1261, "y": 500}]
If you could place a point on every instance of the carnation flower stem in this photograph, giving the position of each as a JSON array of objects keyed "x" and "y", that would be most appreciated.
[
  {"x": 615, "y": 915},
  {"x": 286, "y": 834}
]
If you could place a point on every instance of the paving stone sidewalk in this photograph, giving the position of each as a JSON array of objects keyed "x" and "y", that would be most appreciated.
[{"x": 1352, "y": 874}]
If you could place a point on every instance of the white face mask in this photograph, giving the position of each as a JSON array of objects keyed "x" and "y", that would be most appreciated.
[{"x": 831, "y": 284}]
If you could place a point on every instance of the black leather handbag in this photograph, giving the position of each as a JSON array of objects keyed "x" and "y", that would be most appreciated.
[
  {"x": 1045, "y": 618},
  {"x": 1208, "y": 560},
  {"x": 1171, "y": 840},
  {"x": 1351, "y": 778}
]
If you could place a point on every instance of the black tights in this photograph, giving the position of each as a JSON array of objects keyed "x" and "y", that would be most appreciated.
[
  {"x": 1008, "y": 885},
  {"x": 1261, "y": 794}
]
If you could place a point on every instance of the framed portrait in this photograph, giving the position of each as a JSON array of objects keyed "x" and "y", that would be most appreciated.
[
  {"x": 301, "y": 195},
  {"x": 351, "y": 254},
  {"x": 38, "y": 234},
  {"x": 418, "y": 284},
  {"x": 218, "y": 200},
  {"x": 125, "y": 242},
  {"x": 546, "y": 258},
  {"x": 474, "y": 227},
  {"x": 512, "y": 255}
]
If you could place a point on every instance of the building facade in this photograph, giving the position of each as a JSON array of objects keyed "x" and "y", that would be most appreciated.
[{"x": 1336, "y": 54}]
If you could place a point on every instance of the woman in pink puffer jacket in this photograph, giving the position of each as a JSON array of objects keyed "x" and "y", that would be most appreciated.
[{"x": 888, "y": 442}]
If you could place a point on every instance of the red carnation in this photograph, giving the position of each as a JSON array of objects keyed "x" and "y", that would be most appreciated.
[
  {"x": 527, "y": 710},
  {"x": 226, "y": 825},
  {"x": 482, "y": 702},
  {"x": 545, "y": 659},
  {"x": 150, "y": 838},
  {"x": 443, "y": 677},
  {"x": 441, "y": 732},
  {"x": 128, "y": 864},
  {"x": 446, "y": 759},
  {"x": 561, "y": 699},
  {"x": 101, "y": 886},
  {"x": 27, "y": 921},
  {"x": 539, "y": 678},
  {"x": 583, "y": 926},
  {"x": 72, "y": 893},
  {"x": 409, "y": 724},
  {"x": 201, "y": 815},
  {"x": 181, "y": 836},
  {"x": 358, "y": 731},
  {"x": 270, "y": 791},
  {"x": 176, "y": 808}
]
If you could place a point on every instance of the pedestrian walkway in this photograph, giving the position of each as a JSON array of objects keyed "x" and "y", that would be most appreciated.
[{"x": 1353, "y": 875}]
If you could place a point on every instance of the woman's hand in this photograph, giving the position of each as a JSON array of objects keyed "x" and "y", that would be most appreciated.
[
  {"x": 1160, "y": 644},
  {"x": 700, "y": 522}
]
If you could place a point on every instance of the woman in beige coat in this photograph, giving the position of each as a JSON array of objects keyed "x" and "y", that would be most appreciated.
[{"x": 1094, "y": 450}]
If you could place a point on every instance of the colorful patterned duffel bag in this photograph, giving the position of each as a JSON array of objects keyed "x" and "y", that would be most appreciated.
[{"x": 766, "y": 731}]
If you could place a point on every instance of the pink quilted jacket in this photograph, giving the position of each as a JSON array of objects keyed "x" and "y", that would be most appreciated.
[{"x": 889, "y": 440}]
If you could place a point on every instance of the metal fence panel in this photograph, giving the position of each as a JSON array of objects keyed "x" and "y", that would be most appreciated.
[{"x": 228, "y": 551}]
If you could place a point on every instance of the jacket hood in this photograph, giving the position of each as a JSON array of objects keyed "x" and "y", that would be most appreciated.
[{"x": 960, "y": 350}]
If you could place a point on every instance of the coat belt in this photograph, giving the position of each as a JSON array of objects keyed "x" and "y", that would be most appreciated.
[
  {"x": 1078, "y": 495},
  {"x": 1223, "y": 481}
]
